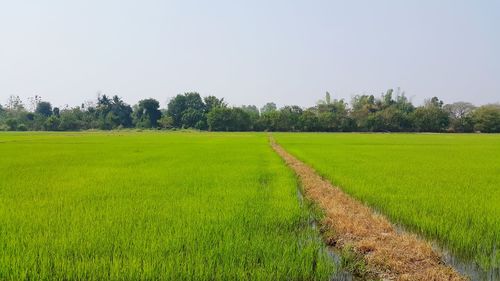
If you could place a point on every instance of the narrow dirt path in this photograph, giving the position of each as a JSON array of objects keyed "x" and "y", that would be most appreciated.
[{"x": 388, "y": 254}]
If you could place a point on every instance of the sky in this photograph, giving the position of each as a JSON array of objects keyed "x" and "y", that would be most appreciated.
[{"x": 249, "y": 52}]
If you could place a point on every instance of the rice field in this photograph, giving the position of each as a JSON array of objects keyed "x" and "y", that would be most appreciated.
[
  {"x": 152, "y": 206},
  {"x": 224, "y": 206},
  {"x": 445, "y": 187}
]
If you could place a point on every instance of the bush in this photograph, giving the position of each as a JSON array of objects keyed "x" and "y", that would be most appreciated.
[
  {"x": 22, "y": 127},
  {"x": 11, "y": 124}
]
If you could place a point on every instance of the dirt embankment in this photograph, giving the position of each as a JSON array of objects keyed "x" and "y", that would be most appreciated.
[{"x": 388, "y": 254}]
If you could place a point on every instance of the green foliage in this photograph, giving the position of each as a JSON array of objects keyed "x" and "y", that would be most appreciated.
[
  {"x": 22, "y": 127},
  {"x": 308, "y": 121},
  {"x": 431, "y": 117},
  {"x": 487, "y": 118},
  {"x": 382, "y": 115},
  {"x": 52, "y": 123},
  {"x": 192, "y": 118},
  {"x": 391, "y": 112},
  {"x": 44, "y": 108},
  {"x": 147, "y": 113},
  {"x": 353, "y": 262},
  {"x": 11, "y": 124},
  {"x": 113, "y": 113},
  {"x": 148, "y": 206},
  {"x": 228, "y": 119},
  {"x": 72, "y": 120},
  {"x": 460, "y": 116},
  {"x": 212, "y": 102},
  {"x": 166, "y": 122},
  {"x": 444, "y": 187},
  {"x": 188, "y": 110},
  {"x": 268, "y": 108}
]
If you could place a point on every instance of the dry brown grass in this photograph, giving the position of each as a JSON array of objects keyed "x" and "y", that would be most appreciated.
[{"x": 388, "y": 254}]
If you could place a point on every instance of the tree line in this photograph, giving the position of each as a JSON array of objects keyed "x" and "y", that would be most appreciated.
[{"x": 392, "y": 111}]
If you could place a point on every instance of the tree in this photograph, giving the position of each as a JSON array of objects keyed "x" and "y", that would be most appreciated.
[
  {"x": 11, "y": 124},
  {"x": 269, "y": 120},
  {"x": 44, "y": 108},
  {"x": 325, "y": 101},
  {"x": 487, "y": 118},
  {"x": 166, "y": 122},
  {"x": 287, "y": 118},
  {"x": 122, "y": 113},
  {"x": 191, "y": 105},
  {"x": 363, "y": 106},
  {"x": 268, "y": 107},
  {"x": 52, "y": 123},
  {"x": 175, "y": 108},
  {"x": 219, "y": 119},
  {"x": 308, "y": 120},
  {"x": 333, "y": 116},
  {"x": 14, "y": 103},
  {"x": 212, "y": 102},
  {"x": 228, "y": 119},
  {"x": 431, "y": 117},
  {"x": 72, "y": 119},
  {"x": 254, "y": 114},
  {"x": 113, "y": 113},
  {"x": 241, "y": 120},
  {"x": 460, "y": 114},
  {"x": 55, "y": 111},
  {"x": 22, "y": 127},
  {"x": 33, "y": 102},
  {"x": 147, "y": 113},
  {"x": 192, "y": 118}
]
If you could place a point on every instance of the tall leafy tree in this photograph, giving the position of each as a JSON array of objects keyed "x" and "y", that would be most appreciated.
[
  {"x": 287, "y": 118},
  {"x": 228, "y": 119},
  {"x": 363, "y": 106},
  {"x": 122, "y": 113},
  {"x": 113, "y": 112},
  {"x": 308, "y": 120},
  {"x": 147, "y": 113},
  {"x": 487, "y": 118},
  {"x": 254, "y": 114},
  {"x": 188, "y": 110},
  {"x": 44, "y": 108},
  {"x": 268, "y": 107},
  {"x": 212, "y": 102},
  {"x": 431, "y": 117},
  {"x": 460, "y": 114}
]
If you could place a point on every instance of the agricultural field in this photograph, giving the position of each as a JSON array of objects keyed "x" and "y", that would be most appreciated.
[
  {"x": 154, "y": 205},
  {"x": 445, "y": 187}
]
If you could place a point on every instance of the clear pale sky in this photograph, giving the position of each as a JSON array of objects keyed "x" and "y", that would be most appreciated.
[{"x": 249, "y": 52}]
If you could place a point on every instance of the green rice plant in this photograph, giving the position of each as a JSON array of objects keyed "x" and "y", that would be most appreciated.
[
  {"x": 443, "y": 186},
  {"x": 152, "y": 206}
]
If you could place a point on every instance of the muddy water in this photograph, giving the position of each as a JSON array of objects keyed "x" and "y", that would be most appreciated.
[
  {"x": 340, "y": 273},
  {"x": 469, "y": 268},
  {"x": 465, "y": 267}
]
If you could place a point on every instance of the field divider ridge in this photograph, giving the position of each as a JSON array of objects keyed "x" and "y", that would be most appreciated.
[{"x": 389, "y": 254}]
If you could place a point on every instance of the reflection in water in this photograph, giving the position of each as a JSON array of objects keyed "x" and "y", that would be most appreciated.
[
  {"x": 467, "y": 268},
  {"x": 340, "y": 273},
  {"x": 470, "y": 268}
]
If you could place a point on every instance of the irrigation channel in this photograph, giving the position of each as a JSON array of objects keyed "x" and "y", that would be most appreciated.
[
  {"x": 341, "y": 274},
  {"x": 387, "y": 251}
]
